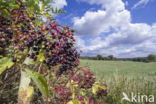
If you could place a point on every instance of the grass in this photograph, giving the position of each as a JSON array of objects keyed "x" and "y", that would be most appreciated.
[
  {"x": 124, "y": 76},
  {"x": 106, "y": 69}
]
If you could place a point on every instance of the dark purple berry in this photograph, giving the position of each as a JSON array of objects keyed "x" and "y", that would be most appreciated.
[{"x": 14, "y": 59}]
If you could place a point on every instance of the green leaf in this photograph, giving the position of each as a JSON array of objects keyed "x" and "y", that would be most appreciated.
[
  {"x": 41, "y": 56},
  {"x": 47, "y": 15},
  {"x": 63, "y": 12},
  {"x": 42, "y": 9},
  {"x": 52, "y": 10},
  {"x": 56, "y": 10},
  {"x": 59, "y": 10},
  {"x": 102, "y": 87},
  {"x": 40, "y": 82},
  {"x": 5, "y": 63}
]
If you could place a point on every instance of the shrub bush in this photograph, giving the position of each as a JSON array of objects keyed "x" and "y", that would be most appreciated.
[{"x": 45, "y": 56}]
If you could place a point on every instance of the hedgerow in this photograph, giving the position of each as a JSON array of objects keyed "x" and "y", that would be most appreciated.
[{"x": 45, "y": 56}]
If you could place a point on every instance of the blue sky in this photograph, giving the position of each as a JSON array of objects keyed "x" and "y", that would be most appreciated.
[{"x": 123, "y": 28}]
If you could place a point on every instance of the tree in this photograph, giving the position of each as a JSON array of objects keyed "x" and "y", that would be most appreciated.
[
  {"x": 111, "y": 57},
  {"x": 99, "y": 57},
  {"x": 151, "y": 57}
]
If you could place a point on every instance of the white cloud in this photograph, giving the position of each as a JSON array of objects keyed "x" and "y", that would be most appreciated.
[
  {"x": 140, "y": 50},
  {"x": 126, "y": 40},
  {"x": 140, "y": 3},
  {"x": 56, "y": 4},
  {"x": 116, "y": 4},
  {"x": 132, "y": 41},
  {"x": 101, "y": 21},
  {"x": 126, "y": 3},
  {"x": 94, "y": 23},
  {"x": 80, "y": 43},
  {"x": 59, "y": 3},
  {"x": 131, "y": 34}
]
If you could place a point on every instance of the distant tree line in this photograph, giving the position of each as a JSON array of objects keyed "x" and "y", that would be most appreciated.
[{"x": 149, "y": 58}]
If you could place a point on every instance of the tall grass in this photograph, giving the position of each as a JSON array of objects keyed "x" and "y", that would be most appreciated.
[{"x": 124, "y": 76}]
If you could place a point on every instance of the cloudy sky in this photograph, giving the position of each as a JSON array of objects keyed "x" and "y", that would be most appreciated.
[{"x": 123, "y": 28}]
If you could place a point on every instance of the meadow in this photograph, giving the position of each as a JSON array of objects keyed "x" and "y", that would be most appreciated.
[{"x": 124, "y": 76}]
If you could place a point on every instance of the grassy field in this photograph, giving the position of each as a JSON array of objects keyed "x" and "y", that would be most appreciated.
[{"x": 124, "y": 76}]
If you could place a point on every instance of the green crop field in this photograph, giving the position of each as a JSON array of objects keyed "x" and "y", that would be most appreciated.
[
  {"x": 124, "y": 76},
  {"x": 106, "y": 69}
]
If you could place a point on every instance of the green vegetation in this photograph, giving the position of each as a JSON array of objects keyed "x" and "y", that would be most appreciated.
[
  {"x": 106, "y": 69},
  {"x": 124, "y": 76},
  {"x": 149, "y": 58},
  {"x": 39, "y": 63}
]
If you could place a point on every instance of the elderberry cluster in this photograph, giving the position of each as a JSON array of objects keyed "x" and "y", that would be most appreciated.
[
  {"x": 70, "y": 56},
  {"x": 5, "y": 32},
  {"x": 61, "y": 52},
  {"x": 20, "y": 34},
  {"x": 15, "y": 30}
]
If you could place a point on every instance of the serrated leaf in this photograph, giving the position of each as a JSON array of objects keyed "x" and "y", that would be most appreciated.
[
  {"x": 40, "y": 82},
  {"x": 5, "y": 63}
]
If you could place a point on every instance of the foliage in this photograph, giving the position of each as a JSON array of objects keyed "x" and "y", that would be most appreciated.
[
  {"x": 5, "y": 62},
  {"x": 39, "y": 81},
  {"x": 111, "y": 57},
  {"x": 151, "y": 57},
  {"x": 99, "y": 57},
  {"x": 44, "y": 53},
  {"x": 38, "y": 8}
]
